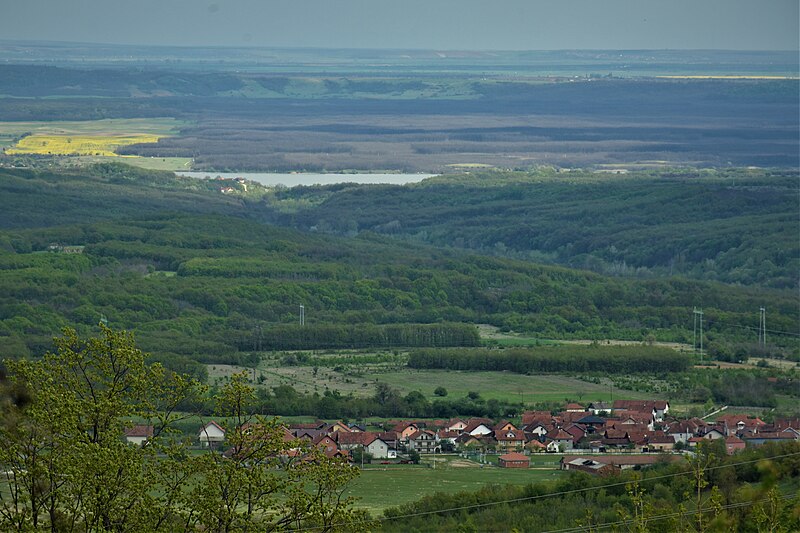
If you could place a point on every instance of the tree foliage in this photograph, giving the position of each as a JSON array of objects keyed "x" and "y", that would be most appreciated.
[{"x": 68, "y": 468}]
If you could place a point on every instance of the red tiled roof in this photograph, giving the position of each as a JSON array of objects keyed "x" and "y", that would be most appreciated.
[
  {"x": 514, "y": 456},
  {"x": 139, "y": 430}
]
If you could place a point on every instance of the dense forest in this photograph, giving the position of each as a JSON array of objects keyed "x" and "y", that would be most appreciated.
[
  {"x": 199, "y": 276},
  {"x": 735, "y": 226}
]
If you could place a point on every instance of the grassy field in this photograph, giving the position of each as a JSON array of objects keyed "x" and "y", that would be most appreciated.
[
  {"x": 361, "y": 379},
  {"x": 382, "y": 486}
]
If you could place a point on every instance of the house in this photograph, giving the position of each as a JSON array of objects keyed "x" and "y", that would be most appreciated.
[
  {"x": 590, "y": 466},
  {"x": 513, "y": 460},
  {"x": 733, "y": 444},
  {"x": 455, "y": 424},
  {"x": 377, "y": 447},
  {"x": 539, "y": 429},
  {"x": 529, "y": 417},
  {"x": 327, "y": 445},
  {"x": 591, "y": 422},
  {"x": 739, "y": 424},
  {"x": 559, "y": 440},
  {"x": 138, "y": 434},
  {"x": 535, "y": 445},
  {"x": 657, "y": 408},
  {"x": 448, "y": 436},
  {"x": 764, "y": 437},
  {"x": 575, "y": 408},
  {"x": 509, "y": 439},
  {"x": 600, "y": 408},
  {"x": 404, "y": 430},
  {"x": 621, "y": 461},
  {"x": 576, "y": 431},
  {"x": 211, "y": 434},
  {"x": 505, "y": 425},
  {"x": 714, "y": 433},
  {"x": 423, "y": 441},
  {"x": 660, "y": 442},
  {"x": 465, "y": 440},
  {"x": 683, "y": 430},
  {"x": 350, "y": 440},
  {"x": 478, "y": 428},
  {"x": 338, "y": 426}
]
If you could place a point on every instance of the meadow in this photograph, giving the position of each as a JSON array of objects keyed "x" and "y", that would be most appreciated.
[{"x": 382, "y": 486}]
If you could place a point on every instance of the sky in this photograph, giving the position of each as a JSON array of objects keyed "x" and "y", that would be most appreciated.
[{"x": 414, "y": 24}]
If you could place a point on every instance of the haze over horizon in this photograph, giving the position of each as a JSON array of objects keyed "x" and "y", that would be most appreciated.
[{"x": 414, "y": 24}]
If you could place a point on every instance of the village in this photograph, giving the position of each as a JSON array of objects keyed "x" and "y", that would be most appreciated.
[{"x": 599, "y": 438}]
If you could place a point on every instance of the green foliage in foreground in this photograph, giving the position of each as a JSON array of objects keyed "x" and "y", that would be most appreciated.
[
  {"x": 592, "y": 358},
  {"x": 756, "y": 490},
  {"x": 68, "y": 468}
]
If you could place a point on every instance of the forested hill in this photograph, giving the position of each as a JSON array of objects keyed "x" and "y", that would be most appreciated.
[
  {"x": 214, "y": 287},
  {"x": 736, "y": 226}
]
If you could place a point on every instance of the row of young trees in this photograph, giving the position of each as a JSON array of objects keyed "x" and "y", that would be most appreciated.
[
  {"x": 565, "y": 358},
  {"x": 67, "y": 468},
  {"x": 325, "y": 336}
]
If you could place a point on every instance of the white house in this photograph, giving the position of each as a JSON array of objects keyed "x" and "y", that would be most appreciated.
[
  {"x": 211, "y": 434},
  {"x": 377, "y": 448}
]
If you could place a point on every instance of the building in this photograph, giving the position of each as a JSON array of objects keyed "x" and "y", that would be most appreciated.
[
  {"x": 513, "y": 460},
  {"x": 138, "y": 434},
  {"x": 211, "y": 434}
]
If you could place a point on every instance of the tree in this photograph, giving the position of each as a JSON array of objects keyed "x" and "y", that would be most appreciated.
[
  {"x": 440, "y": 391},
  {"x": 69, "y": 469}
]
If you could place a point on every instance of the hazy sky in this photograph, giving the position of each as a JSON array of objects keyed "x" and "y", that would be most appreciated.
[{"x": 437, "y": 24}]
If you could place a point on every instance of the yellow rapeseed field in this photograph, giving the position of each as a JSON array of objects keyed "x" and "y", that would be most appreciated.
[{"x": 105, "y": 145}]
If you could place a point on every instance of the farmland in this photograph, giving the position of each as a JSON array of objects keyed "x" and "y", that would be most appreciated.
[{"x": 93, "y": 141}]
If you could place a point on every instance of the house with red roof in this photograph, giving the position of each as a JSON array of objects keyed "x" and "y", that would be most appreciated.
[
  {"x": 138, "y": 434},
  {"x": 513, "y": 460}
]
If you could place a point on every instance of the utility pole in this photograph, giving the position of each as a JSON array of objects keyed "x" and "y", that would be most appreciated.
[
  {"x": 302, "y": 315},
  {"x": 762, "y": 327}
]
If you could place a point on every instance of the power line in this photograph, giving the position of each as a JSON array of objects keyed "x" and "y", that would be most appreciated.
[{"x": 559, "y": 493}]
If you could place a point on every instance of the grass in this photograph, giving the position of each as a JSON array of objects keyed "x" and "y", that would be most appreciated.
[
  {"x": 360, "y": 380},
  {"x": 380, "y": 487}
]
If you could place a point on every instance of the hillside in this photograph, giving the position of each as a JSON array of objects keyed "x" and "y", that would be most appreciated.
[
  {"x": 214, "y": 286},
  {"x": 736, "y": 226}
]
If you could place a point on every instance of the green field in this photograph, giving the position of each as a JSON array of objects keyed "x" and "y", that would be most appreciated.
[
  {"x": 360, "y": 381},
  {"x": 380, "y": 487}
]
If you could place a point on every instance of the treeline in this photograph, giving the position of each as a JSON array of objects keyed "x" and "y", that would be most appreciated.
[
  {"x": 754, "y": 490},
  {"x": 565, "y": 358},
  {"x": 387, "y": 402},
  {"x": 324, "y": 336}
]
